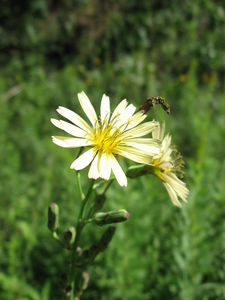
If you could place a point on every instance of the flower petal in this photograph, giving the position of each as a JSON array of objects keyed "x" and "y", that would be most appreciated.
[
  {"x": 125, "y": 115},
  {"x": 134, "y": 154},
  {"x": 84, "y": 160},
  {"x": 148, "y": 149},
  {"x": 88, "y": 108},
  {"x": 172, "y": 194},
  {"x": 136, "y": 119},
  {"x": 165, "y": 156},
  {"x": 178, "y": 185},
  {"x": 74, "y": 118},
  {"x": 100, "y": 167},
  {"x": 159, "y": 132},
  {"x": 140, "y": 130},
  {"x": 69, "y": 128},
  {"x": 117, "y": 170},
  {"x": 105, "y": 166},
  {"x": 67, "y": 142},
  {"x": 105, "y": 109},
  {"x": 148, "y": 145},
  {"x": 93, "y": 171},
  {"x": 119, "y": 110}
]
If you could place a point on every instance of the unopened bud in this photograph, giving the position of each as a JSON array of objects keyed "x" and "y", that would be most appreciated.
[
  {"x": 69, "y": 236},
  {"x": 68, "y": 290},
  {"x": 114, "y": 216},
  {"x": 82, "y": 285},
  {"x": 89, "y": 255},
  {"x": 99, "y": 202},
  {"x": 53, "y": 217},
  {"x": 106, "y": 237},
  {"x": 79, "y": 251},
  {"x": 85, "y": 256},
  {"x": 93, "y": 252}
]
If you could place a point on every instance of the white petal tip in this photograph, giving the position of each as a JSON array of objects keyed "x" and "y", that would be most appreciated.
[
  {"x": 55, "y": 122},
  {"x": 122, "y": 183},
  {"x": 72, "y": 167}
]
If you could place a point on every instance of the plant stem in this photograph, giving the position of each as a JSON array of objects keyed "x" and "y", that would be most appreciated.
[
  {"x": 79, "y": 228},
  {"x": 110, "y": 181},
  {"x": 79, "y": 185}
]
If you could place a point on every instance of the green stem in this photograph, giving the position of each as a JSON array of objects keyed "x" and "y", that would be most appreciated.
[
  {"x": 78, "y": 178},
  {"x": 110, "y": 181},
  {"x": 55, "y": 236},
  {"x": 79, "y": 186},
  {"x": 79, "y": 228}
]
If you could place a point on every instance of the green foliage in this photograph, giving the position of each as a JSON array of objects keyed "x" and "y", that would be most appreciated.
[
  {"x": 136, "y": 50},
  {"x": 171, "y": 34}
]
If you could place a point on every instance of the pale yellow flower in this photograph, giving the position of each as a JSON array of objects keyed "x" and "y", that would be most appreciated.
[
  {"x": 119, "y": 133},
  {"x": 166, "y": 166}
]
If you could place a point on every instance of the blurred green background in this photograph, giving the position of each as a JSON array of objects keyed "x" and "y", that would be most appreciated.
[{"x": 50, "y": 51}]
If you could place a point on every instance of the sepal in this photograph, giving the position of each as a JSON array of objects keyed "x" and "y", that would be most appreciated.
[{"x": 106, "y": 237}]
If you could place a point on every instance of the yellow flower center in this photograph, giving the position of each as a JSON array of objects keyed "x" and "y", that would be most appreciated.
[
  {"x": 173, "y": 163},
  {"x": 106, "y": 137}
]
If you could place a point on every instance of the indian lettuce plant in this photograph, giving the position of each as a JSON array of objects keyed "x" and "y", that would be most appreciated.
[{"x": 102, "y": 140}]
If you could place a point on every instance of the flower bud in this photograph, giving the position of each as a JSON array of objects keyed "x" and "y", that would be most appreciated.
[
  {"x": 106, "y": 237},
  {"x": 79, "y": 251},
  {"x": 89, "y": 255},
  {"x": 82, "y": 285},
  {"x": 53, "y": 217},
  {"x": 67, "y": 290},
  {"x": 69, "y": 236},
  {"x": 114, "y": 216},
  {"x": 99, "y": 202},
  {"x": 85, "y": 256},
  {"x": 93, "y": 252}
]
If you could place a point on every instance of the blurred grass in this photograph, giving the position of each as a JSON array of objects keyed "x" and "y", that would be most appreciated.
[{"x": 161, "y": 252}]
